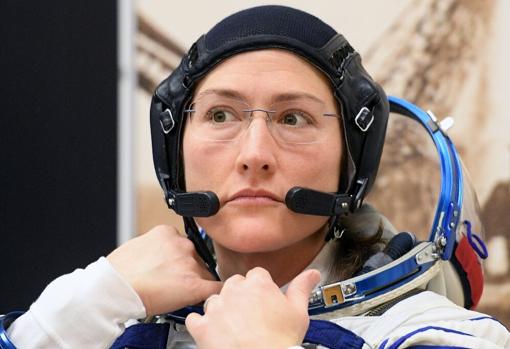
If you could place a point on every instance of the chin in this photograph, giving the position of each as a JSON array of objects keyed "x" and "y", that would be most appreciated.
[
  {"x": 248, "y": 234},
  {"x": 258, "y": 234}
]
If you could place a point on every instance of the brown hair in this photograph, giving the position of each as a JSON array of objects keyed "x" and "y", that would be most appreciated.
[{"x": 362, "y": 237}]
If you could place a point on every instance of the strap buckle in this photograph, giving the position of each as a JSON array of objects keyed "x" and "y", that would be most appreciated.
[
  {"x": 364, "y": 119},
  {"x": 166, "y": 120}
]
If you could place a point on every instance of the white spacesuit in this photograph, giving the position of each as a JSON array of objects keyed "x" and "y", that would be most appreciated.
[{"x": 409, "y": 294}]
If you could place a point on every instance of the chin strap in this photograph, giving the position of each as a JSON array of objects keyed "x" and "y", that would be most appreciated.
[{"x": 200, "y": 246}]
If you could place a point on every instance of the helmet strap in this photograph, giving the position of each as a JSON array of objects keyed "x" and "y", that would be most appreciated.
[{"x": 200, "y": 245}]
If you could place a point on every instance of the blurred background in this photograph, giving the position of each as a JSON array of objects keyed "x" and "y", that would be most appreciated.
[{"x": 76, "y": 174}]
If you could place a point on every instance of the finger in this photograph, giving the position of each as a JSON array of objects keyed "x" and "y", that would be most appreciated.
[
  {"x": 232, "y": 285},
  {"x": 202, "y": 289},
  {"x": 194, "y": 323},
  {"x": 259, "y": 272},
  {"x": 211, "y": 301},
  {"x": 300, "y": 288},
  {"x": 233, "y": 280},
  {"x": 163, "y": 233}
]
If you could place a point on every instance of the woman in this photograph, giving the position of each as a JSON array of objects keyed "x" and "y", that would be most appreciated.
[{"x": 270, "y": 102}]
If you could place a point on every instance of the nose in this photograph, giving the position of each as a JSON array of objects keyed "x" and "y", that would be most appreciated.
[{"x": 257, "y": 148}]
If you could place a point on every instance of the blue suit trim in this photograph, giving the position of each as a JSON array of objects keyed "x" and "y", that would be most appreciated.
[
  {"x": 143, "y": 336},
  {"x": 155, "y": 336},
  {"x": 331, "y": 335},
  {"x": 434, "y": 347},
  {"x": 488, "y": 318},
  {"x": 402, "y": 339}
]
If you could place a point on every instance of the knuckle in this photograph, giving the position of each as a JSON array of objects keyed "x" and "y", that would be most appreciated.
[
  {"x": 185, "y": 244},
  {"x": 259, "y": 271},
  {"x": 194, "y": 323},
  {"x": 173, "y": 242},
  {"x": 213, "y": 303},
  {"x": 163, "y": 231},
  {"x": 236, "y": 278},
  {"x": 259, "y": 274},
  {"x": 233, "y": 280},
  {"x": 161, "y": 228}
]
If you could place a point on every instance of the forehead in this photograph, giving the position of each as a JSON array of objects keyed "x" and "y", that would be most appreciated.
[{"x": 264, "y": 74}]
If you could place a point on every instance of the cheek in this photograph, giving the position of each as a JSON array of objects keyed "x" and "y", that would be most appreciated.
[
  {"x": 191, "y": 154},
  {"x": 201, "y": 164},
  {"x": 318, "y": 167},
  {"x": 332, "y": 161}
]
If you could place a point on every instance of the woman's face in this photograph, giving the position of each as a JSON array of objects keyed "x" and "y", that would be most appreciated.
[{"x": 252, "y": 173}]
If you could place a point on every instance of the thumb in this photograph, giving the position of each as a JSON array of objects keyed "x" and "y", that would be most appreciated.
[
  {"x": 300, "y": 288},
  {"x": 205, "y": 288}
]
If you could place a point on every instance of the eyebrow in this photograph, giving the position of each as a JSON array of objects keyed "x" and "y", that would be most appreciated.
[{"x": 282, "y": 97}]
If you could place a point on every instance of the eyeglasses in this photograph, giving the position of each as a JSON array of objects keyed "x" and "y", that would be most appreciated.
[{"x": 297, "y": 121}]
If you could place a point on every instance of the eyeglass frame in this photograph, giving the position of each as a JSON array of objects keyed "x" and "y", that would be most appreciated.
[{"x": 268, "y": 117}]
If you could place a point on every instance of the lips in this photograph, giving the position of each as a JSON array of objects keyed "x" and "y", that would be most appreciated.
[{"x": 254, "y": 196}]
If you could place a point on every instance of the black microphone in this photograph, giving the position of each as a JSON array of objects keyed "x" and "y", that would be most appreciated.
[
  {"x": 298, "y": 199},
  {"x": 313, "y": 202},
  {"x": 398, "y": 246},
  {"x": 194, "y": 204}
]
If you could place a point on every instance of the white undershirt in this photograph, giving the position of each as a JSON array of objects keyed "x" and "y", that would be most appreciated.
[{"x": 84, "y": 309}]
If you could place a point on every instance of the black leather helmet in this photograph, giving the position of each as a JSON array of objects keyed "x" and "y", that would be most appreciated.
[{"x": 363, "y": 103}]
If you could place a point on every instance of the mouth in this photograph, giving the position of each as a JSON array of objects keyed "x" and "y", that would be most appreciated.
[{"x": 254, "y": 197}]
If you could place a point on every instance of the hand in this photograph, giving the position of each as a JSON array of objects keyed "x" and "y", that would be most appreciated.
[
  {"x": 252, "y": 312},
  {"x": 164, "y": 269}
]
